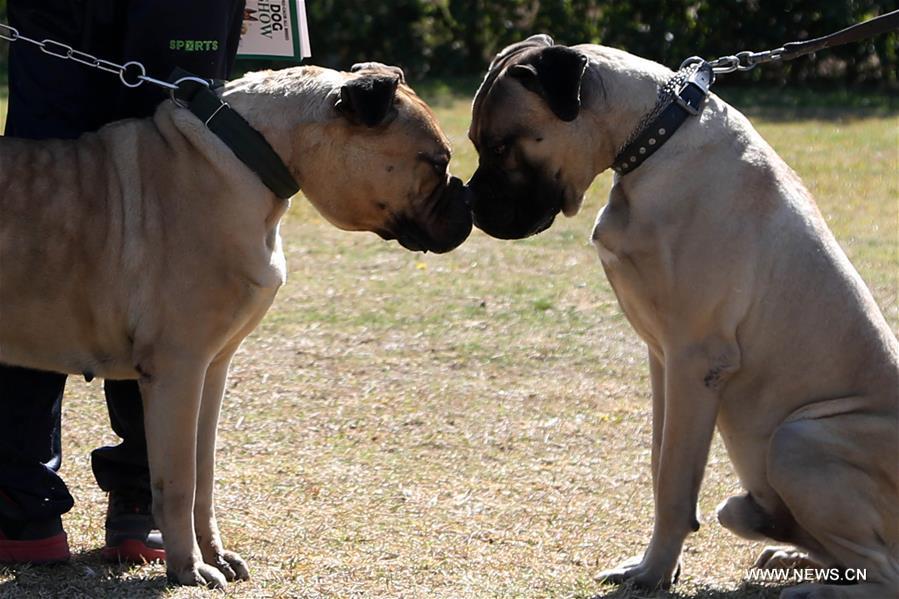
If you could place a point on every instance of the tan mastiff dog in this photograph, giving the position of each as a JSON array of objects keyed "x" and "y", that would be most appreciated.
[
  {"x": 754, "y": 318},
  {"x": 149, "y": 251}
]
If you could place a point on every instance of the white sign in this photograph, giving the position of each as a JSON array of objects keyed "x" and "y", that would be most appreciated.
[{"x": 275, "y": 29}]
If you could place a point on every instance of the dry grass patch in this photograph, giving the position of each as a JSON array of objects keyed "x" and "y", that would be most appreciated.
[{"x": 468, "y": 425}]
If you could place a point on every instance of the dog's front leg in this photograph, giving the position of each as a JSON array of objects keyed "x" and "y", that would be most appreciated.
[
  {"x": 228, "y": 563},
  {"x": 171, "y": 392},
  {"x": 686, "y": 429}
]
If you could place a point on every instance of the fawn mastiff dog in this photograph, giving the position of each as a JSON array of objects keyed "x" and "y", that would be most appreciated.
[
  {"x": 149, "y": 250},
  {"x": 755, "y": 320}
]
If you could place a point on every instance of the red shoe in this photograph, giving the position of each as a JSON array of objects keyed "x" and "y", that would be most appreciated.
[
  {"x": 131, "y": 534},
  {"x": 135, "y": 551},
  {"x": 33, "y": 542}
]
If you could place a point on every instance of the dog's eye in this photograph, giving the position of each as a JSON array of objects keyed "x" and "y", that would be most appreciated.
[
  {"x": 500, "y": 149},
  {"x": 440, "y": 165}
]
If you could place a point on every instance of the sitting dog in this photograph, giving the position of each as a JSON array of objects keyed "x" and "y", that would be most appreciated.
[
  {"x": 755, "y": 320},
  {"x": 149, "y": 250}
]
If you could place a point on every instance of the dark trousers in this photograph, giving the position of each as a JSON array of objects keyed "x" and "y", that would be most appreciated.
[{"x": 53, "y": 98}]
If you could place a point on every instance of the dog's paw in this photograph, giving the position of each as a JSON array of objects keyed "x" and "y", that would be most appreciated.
[
  {"x": 641, "y": 575},
  {"x": 783, "y": 558},
  {"x": 201, "y": 575},
  {"x": 231, "y": 565}
]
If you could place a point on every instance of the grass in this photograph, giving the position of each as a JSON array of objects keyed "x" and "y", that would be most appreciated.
[{"x": 469, "y": 425}]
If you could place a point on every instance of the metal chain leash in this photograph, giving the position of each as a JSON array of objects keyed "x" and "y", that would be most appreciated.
[
  {"x": 741, "y": 61},
  {"x": 132, "y": 74},
  {"x": 745, "y": 61}
]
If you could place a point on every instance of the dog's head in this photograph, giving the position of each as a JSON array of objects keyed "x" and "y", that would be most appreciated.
[
  {"x": 525, "y": 127},
  {"x": 367, "y": 151}
]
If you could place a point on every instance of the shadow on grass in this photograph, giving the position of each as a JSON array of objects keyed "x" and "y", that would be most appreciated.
[
  {"x": 747, "y": 591},
  {"x": 85, "y": 575}
]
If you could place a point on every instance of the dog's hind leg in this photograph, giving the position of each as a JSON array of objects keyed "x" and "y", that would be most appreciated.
[
  {"x": 743, "y": 516},
  {"x": 746, "y": 518},
  {"x": 784, "y": 558},
  {"x": 838, "y": 477},
  {"x": 208, "y": 537},
  {"x": 171, "y": 390}
]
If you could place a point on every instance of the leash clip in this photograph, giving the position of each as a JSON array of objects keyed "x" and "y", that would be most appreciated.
[{"x": 177, "y": 87}]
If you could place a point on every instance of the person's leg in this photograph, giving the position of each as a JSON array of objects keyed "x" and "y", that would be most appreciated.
[
  {"x": 49, "y": 98},
  {"x": 32, "y": 495},
  {"x": 122, "y": 471},
  {"x": 123, "y": 466}
]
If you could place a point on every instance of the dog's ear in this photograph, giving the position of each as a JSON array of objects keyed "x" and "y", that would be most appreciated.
[
  {"x": 379, "y": 66},
  {"x": 368, "y": 100},
  {"x": 541, "y": 38},
  {"x": 555, "y": 73}
]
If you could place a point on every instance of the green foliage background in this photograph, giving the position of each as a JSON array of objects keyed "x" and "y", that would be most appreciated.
[{"x": 459, "y": 37}]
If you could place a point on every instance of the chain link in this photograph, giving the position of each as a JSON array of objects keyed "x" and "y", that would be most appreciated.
[
  {"x": 8, "y": 33},
  {"x": 132, "y": 74}
]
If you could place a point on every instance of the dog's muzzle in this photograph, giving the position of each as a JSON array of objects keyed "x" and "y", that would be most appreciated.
[
  {"x": 508, "y": 211},
  {"x": 441, "y": 225}
]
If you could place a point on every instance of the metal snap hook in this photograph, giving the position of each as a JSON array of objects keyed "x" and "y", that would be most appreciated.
[
  {"x": 691, "y": 60},
  {"x": 181, "y": 103}
]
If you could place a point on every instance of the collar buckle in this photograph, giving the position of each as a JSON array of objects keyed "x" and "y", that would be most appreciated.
[
  {"x": 701, "y": 79},
  {"x": 685, "y": 104}
]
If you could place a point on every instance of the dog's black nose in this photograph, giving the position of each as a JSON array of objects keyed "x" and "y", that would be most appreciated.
[{"x": 463, "y": 190}]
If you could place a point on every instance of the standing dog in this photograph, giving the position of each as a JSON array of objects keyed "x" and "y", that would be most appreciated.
[
  {"x": 149, "y": 251},
  {"x": 754, "y": 318}
]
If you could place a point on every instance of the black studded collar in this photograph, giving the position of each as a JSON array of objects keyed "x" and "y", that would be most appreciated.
[{"x": 681, "y": 97}]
